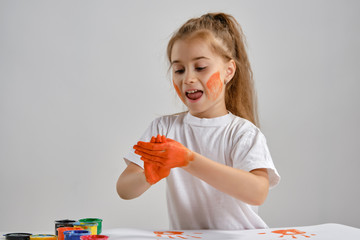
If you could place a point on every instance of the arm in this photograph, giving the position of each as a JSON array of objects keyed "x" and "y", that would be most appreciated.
[
  {"x": 132, "y": 182},
  {"x": 250, "y": 187}
]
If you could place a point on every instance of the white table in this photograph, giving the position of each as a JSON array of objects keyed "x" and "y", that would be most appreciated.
[
  {"x": 324, "y": 231},
  {"x": 328, "y": 231}
]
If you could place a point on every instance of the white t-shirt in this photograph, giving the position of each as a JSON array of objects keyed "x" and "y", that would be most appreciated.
[{"x": 230, "y": 140}]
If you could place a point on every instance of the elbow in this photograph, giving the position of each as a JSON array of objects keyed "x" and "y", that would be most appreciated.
[
  {"x": 123, "y": 194},
  {"x": 125, "y": 197},
  {"x": 121, "y": 191},
  {"x": 260, "y": 195},
  {"x": 260, "y": 192},
  {"x": 256, "y": 196},
  {"x": 258, "y": 201}
]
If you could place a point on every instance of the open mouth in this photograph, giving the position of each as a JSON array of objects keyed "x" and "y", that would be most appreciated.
[{"x": 194, "y": 94}]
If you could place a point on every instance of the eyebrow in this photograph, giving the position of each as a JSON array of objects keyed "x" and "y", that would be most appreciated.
[{"x": 194, "y": 59}]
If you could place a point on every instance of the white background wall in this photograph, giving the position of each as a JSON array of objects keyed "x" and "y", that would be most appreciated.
[{"x": 81, "y": 80}]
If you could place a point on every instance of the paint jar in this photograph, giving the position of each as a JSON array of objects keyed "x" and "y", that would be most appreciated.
[
  {"x": 94, "y": 220},
  {"x": 17, "y": 236},
  {"x": 94, "y": 237},
  {"x": 63, "y": 223},
  {"x": 43, "y": 237},
  {"x": 75, "y": 234},
  {"x": 61, "y": 231},
  {"x": 92, "y": 227}
]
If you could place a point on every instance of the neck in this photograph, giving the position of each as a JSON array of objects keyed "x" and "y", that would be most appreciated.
[{"x": 210, "y": 113}]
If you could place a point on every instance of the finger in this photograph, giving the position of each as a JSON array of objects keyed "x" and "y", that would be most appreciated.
[
  {"x": 163, "y": 138},
  {"x": 151, "y": 146},
  {"x": 154, "y": 159},
  {"x": 153, "y": 140},
  {"x": 151, "y": 163},
  {"x": 158, "y": 138},
  {"x": 160, "y": 154}
]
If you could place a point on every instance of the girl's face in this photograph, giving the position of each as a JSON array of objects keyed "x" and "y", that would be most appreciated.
[{"x": 199, "y": 77}]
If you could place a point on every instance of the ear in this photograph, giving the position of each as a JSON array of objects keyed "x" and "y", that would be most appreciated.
[{"x": 229, "y": 71}]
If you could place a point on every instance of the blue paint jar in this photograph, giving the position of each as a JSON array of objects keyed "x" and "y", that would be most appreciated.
[{"x": 75, "y": 234}]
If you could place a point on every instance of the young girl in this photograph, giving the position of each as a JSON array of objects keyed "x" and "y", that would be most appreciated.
[{"x": 215, "y": 160}]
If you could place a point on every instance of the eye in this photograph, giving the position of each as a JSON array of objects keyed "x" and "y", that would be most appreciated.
[
  {"x": 179, "y": 71},
  {"x": 199, "y": 69}
]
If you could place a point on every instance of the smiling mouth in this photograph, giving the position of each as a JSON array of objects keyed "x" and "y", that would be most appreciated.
[{"x": 194, "y": 94}]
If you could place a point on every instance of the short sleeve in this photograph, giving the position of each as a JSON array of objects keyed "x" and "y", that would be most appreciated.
[
  {"x": 250, "y": 151},
  {"x": 153, "y": 129}
]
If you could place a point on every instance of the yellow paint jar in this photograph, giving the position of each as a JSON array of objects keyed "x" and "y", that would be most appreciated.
[
  {"x": 92, "y": 227},
  {"x": 43, "y": 237}
]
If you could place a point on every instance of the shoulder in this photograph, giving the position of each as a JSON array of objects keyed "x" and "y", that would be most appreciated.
[
  {"x": 244, "y": 131},
  {"x": 242, "y": 125}
]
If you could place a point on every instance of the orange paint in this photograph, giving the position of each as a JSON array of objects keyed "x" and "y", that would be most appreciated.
[
  {"x": 178, "y": 92},
  {"x": 214, "y": 86},
  {"x": 292, "y": 233},
  {"x": 168, "y": 234},
  {"x": 61, "y": 231},
  {"x": 154, "y": 173},
  {"x": 175, "y": 235},
  {"x": 169, "y": 155}
]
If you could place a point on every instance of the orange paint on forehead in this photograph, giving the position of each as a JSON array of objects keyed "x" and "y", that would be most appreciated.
[
  {"x": 214, "y": 86},
  {"x": 178, "y": 92}
]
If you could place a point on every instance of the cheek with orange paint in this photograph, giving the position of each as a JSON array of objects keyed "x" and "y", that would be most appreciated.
[
  {"x": 178, "y": 92},
  {"x": 214, "y": 86}
]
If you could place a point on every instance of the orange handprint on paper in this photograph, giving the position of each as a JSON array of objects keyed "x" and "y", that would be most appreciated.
[
  {"x": 291, "y": 232},
  {"x": 176, "y": 235}
]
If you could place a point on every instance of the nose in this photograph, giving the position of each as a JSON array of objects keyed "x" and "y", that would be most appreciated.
[{"x": 189, "y": 77}]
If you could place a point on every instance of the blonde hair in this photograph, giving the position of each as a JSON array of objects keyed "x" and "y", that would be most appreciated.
[{"x": 226, "y": 38}]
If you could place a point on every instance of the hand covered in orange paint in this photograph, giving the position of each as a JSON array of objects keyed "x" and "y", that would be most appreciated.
[
  {"x": 153, "y": 172},
  {"x": 169, "y": 154}
]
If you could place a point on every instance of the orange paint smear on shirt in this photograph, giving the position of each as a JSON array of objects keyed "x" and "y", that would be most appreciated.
[
  {"x": 214, "y": 86},
  {"x": 178, "y": 92}
]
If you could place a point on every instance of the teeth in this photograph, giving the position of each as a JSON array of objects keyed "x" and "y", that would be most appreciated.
[{"x": 193, "y": 91}]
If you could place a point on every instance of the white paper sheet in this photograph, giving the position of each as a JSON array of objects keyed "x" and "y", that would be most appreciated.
[
  {"x": 328, "y": 231},
  {"x": 316, "y": 232}
]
